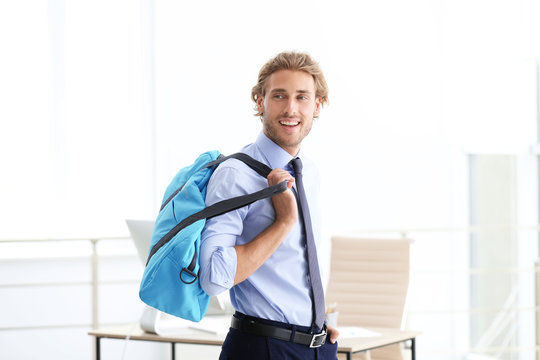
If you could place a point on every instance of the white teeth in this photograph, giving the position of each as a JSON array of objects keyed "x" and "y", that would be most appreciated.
[{"x": 291, "y": 123}]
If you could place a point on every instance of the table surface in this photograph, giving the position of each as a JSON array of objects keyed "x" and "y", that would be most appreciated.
[{"x": 192, "y": 336}]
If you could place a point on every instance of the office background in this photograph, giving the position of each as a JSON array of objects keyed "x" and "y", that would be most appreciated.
[{"x": 432, "y": 129}]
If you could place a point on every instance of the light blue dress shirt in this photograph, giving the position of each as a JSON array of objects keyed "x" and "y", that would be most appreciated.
[{"x": 279, "y": 289}]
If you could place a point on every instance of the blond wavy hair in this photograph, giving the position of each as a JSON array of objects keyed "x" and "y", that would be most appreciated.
[{"x": 290, "y": 60}]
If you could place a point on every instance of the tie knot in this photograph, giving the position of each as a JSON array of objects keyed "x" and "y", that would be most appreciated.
[{"x": 297, "y": 165}]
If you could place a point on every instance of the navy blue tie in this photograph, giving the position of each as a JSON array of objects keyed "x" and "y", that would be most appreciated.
[{"x": 313, "y": 264}]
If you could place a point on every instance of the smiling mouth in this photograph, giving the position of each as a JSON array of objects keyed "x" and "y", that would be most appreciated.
[{"x": 289, "y": 122}]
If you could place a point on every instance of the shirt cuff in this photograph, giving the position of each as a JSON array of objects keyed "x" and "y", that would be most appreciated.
[{"x": 220, "y": 272}]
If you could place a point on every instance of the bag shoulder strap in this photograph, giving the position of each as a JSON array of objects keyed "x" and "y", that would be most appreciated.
[
  {"x": 227, "y": 205},
  {"x": 257, "y": 166},
  {"x": 217, "y": 209}
]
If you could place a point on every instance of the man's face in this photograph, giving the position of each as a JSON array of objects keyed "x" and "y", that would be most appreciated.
[{"x": 288, "y": 108}]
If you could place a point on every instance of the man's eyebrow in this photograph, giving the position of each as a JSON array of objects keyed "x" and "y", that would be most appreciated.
[{"x": 297, "y": 91}]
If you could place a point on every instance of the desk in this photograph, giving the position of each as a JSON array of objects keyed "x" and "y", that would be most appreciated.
[{"x": 347, "y": 346}]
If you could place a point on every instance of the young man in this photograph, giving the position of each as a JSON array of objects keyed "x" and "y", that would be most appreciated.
[{"x": 265, "y": 253}]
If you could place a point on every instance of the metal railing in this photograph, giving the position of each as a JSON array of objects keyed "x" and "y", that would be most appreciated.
[{"x": 94, "y": 279}]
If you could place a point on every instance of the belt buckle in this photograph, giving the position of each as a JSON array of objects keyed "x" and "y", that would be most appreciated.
[{"x": 318, "y": 340}]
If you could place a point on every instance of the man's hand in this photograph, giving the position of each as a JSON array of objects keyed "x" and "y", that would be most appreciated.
[
  {"x": 333, "y": 333},
  {"x": 284, "y": 203}
]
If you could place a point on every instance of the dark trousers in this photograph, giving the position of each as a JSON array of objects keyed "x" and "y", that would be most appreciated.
[{"x": 241, "y": 345}]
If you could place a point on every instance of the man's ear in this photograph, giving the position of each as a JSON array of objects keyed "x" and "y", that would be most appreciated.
[
  {"x": 317, "y": 107},
  {"x": 260, "y": 105}
]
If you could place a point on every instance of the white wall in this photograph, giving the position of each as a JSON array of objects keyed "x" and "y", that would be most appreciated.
[{"x": 413, "y": 86}]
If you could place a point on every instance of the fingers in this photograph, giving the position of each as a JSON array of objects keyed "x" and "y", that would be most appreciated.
[
  {"x": 277, "y": 176},
  {"x": 284, "y": 203},
  {"x": 333, "y": 333}
]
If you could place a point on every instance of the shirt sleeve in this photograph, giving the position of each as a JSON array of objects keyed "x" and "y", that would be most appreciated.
[{"x": 217, "y": 253}]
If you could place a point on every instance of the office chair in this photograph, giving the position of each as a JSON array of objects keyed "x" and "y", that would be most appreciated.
[{"x": 369, "y": 281}]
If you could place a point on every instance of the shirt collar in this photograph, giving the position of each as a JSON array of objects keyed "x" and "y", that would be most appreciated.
[{"x": 275, "y": 155}]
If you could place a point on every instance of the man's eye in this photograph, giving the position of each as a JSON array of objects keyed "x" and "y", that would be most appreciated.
[
  {"x": 302, "y": 97},
  {"x": 278, "y": 96}
]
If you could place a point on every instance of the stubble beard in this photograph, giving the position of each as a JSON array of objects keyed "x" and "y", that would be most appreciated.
[{"x": 270, "y": 131}]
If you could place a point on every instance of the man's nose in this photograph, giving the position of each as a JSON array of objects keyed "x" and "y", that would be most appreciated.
[{"x": 291, "y": 106}]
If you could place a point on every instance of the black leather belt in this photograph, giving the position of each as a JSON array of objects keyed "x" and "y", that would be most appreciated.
[{"x": 251, "y": 326}]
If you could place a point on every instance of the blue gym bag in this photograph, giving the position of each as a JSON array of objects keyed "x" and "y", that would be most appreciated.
[{"x": 170, "y": 281}]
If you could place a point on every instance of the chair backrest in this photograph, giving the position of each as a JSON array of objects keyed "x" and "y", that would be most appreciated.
[{"x": 369, "y": 281}]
